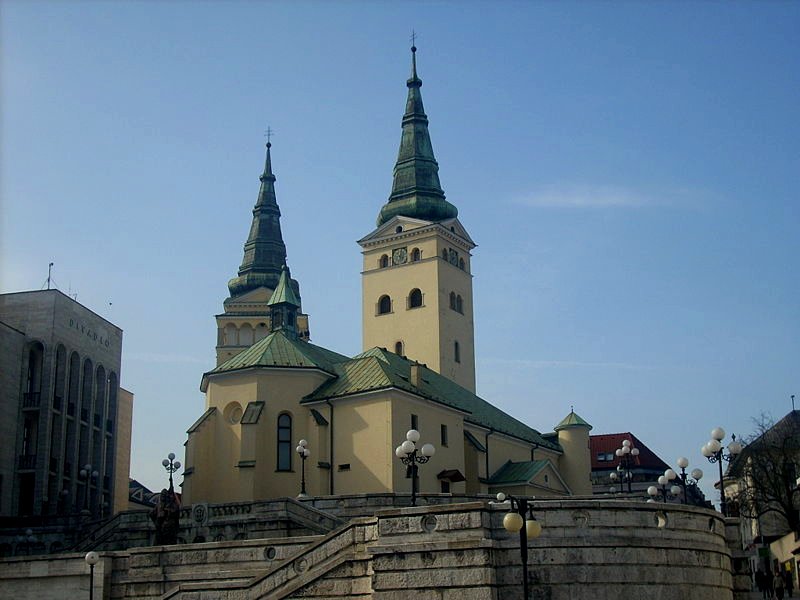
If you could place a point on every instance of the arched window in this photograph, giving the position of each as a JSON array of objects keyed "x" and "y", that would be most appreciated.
[
  {"x": 461, "y": 263},
  {"x": 398, "y": 348},
  {"x": 444, "y": 254},
  {"x": 261, "y": 331},
  {"x": 285, "y": 442},
  {"x": 33, "y": 383},
  {"x": 456, "y": 352},
  {"x": 384, "y": 305},
  {"x": 246, "y": 335},
  {"x": 415, "y": 255},
  {"x": 86, "y": 390},
  {"x": 383, "y": 262},
  {"x": 453, "y": 300},
  {"x": 415, "y": 298},
  {"x": 459, "y": 305},
  {"x": 61, "y": 371},
  {"x": 230, "y": 335}
]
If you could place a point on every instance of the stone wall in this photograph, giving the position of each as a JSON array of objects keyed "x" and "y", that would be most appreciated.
[{"x": 588, "y": 550}]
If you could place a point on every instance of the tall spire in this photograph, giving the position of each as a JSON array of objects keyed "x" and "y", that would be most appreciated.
[
  {"x": 416, "y": 191},
  {"x": 264, "y": 250}
]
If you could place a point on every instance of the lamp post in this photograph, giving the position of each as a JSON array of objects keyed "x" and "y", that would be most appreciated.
[
  {"x": 171, "y": 465},
  {"x": 663, "y": 481},
  {"x": 26, "y": 540},
  {"x": 410, "y": 455},
  {"x": 626, "y": 454},
  {"x": 521, "y": 513},
  {"x": 684, "y": 480},
  {"x": 714, "y": 451},
  {"x": 88, "y": 476},
  {"x": 91, "y": 559},
  {"x": 304, "y": 452}
]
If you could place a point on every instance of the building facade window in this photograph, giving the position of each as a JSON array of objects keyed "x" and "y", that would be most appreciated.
[
  {"x": 398, "y": 348},
  {"x": 461, "y": 263},
  {"x": 284, "y": 442},
  {"x": 415, "y": 422},
  {"x": 456, "y": 352},
  {"x": 443, "y": 437},
  {"x": 452, "y": 300},
  {"x": 383, "y": 262},
  {"x": 444, "y": 254},
  {"x": 415, "y": 255},
  {"x": 459, "y": 304},
  {"x": 415, "y": 298},
  {"x": 445, "y": 486},
  {"x": 384, "y": 305}
]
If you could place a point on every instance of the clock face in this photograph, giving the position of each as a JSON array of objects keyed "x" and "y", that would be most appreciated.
[{"x": 400, "y": 256}]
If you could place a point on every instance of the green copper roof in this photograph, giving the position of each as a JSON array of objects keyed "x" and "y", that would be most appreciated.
[
  {"x": 416, "y": 191},
  {"x": 380, "y": 369},
  {"x": 517, "y": 472},
  {"x": 284, "y": 294},
  {"x": 264, "y": 250},
  {"x": 572, "y": 420},
  {"x": 280, "y": 350}
]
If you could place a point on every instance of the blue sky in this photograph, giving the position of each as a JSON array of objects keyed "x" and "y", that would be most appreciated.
[{"x": 629, "y": 171}]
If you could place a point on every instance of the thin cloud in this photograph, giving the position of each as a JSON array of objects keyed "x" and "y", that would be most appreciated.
[{"x": 585, "y": 196}]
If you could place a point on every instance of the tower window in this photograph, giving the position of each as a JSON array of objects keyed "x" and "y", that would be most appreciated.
[
  {"x": 453, "y": 300},
  {"x": 398, "y": 229},
  {"x": 456, "y": 352},
  {"x": 398, "y": 348},
  {"x": 415, "y": 298},
  {"x": 383, "y": 262},
  {"x": 384, "y": 305},
  {"x": 444, "y": 254},
  {"x": 459, "y": 304},
  {"x": 444, "y": 435},
  {"x": 415, "y": 255},
  {"x": 284, "y": 442},
  {"x": 461, "y": 263}
]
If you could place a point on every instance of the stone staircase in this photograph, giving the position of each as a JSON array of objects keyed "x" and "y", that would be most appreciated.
[{"x": 337, "y": 565}]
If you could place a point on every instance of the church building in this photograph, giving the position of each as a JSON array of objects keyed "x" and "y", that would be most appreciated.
[{"x": 272, "y": 387}]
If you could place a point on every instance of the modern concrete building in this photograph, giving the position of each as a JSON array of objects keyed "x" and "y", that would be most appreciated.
[
  {"x": 61, "y": 409},
  {"x": 272, "y": 387}
]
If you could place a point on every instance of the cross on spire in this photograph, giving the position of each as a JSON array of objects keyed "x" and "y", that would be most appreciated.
[
  {"x": 413, "y": 40},
  {"x": 268, "y": 134}
]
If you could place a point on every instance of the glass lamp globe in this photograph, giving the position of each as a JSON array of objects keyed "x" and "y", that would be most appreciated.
[
  {"x": 612, "y": 476},
  {"x": 412, "y": 435},
  {"x": 299, "y": 449},
  {"x": 675, "y": 490},
  {"x": 171, "y": 456},
  {"x": 734, "y": 448},
  {"x": 306, "y": 452},
  {"x": 165, "y": 463},
  {"x": 697, "y": 474},
  {"x": 634, "y": 452},
  {"x": 626, "y": 449},
  {"x": 626, "y": 443},
  {"x": 670, "y": 474},
  {"x": 618, "y": 452},
  {"x": 302, "y": 443},
  {"x": 705, "y": 451},
  {"x": 399, "y": 452},
  {"x": 533, "y": 529},
  {"x": 662, "y": 480},
  {"x": 92, "y": 558},
  {"x": 177, "y": 464},
  {"x": 512, "y": 522},
  {"x": 652, "y": 490},
  {"x": 408, "y": 446},
  {"x": 501, "y": 497},
  {"x": 714, "y": 445},
  {"x": 682, "y": 462},
  {"x": 718, "y": 433},
  {"x": 428, "y": 450},
  {"x": 650, "y": 500},
  {"x": 612, "y": 489}
]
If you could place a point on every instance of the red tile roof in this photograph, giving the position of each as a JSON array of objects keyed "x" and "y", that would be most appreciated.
[{"x": 609, "y": 442}]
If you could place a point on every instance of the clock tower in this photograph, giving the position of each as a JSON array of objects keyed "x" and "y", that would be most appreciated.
[{"x": 416, "y": 279}]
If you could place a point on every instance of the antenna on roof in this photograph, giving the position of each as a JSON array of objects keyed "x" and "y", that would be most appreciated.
[
  {"x": 49, "y": 276},
  {"x": 792, "y": 402}
]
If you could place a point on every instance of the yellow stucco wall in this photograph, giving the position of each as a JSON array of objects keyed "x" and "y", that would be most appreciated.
[
  {"x": 575, "y": 464},
  {"x": 122, "y": 460}
]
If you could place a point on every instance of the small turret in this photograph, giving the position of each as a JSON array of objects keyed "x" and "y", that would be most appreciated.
[{"x": 575, "y": 464}]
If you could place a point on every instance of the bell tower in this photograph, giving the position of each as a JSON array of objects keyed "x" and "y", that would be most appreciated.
[{"x": 416, "y": 279}]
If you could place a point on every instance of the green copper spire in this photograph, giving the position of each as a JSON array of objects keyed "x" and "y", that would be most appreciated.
[
  {"x": 283, "y": 306},
  {"x": 264, "y": 250},
  {"x": 416, "y": 191}
]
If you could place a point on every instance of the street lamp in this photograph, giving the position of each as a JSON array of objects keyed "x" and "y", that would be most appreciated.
[
  {"x": 626, "y": 454},
  {"x": 91, "y": 559},
  {"x": 684, "y": 480},
  {"x": 86, "y": 473},
  {"x": 663, "y": 482},
  {"x": 715, "y": 453},
  {"x": 304, "y": 452},
  {"x": 521, "y": 513},
  {"x": 410, "y": 455},
  {"x": 27, "y": 540},
  {"x": 171, "y": 465}
]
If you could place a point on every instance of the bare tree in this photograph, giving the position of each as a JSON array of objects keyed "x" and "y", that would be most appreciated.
[{"x": 766, "y": 472}]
